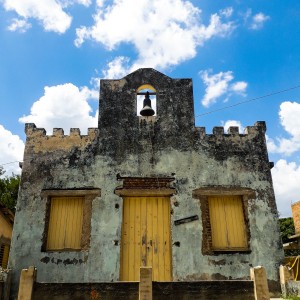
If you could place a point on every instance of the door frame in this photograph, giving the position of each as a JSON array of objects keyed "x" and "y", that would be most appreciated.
[{"x": 146, "y": 187}]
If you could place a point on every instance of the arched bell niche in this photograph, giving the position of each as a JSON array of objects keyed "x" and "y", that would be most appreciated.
[{"x": 145, "y": 93}]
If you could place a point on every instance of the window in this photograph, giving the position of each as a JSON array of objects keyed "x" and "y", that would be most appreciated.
[
  {"x": 224, "y": 218},
  {"x": 68, "y": 219},
  {"x": 227, "y": 223},
  {"x": 4, "y": 252},
  {"x": 65, "y": 224}
]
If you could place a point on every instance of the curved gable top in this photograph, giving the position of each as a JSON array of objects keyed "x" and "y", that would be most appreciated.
[
  {"x": 146, "y": 72},
  {"x": 147, "y": 76}
]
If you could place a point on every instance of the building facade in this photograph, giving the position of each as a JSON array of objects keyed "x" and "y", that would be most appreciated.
[
  {"x": 6, "y": 227},
  {"x": 146, "y": 191}
]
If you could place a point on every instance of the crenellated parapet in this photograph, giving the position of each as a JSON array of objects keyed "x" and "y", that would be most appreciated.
[
  {"x": 258, "y": 130},
  {"x": 37, "y": 139},
  {"x": 247, "y": 146}
]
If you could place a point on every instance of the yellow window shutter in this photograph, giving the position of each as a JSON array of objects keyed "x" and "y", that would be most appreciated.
[
  {"x": 4, "y": 253},
  {"x": 235, "y": 222},
  {"x": 65, "y": 223},
  {"x": 227, "y": 223}
]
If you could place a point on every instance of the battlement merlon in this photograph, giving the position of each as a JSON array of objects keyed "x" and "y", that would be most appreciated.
[{"x": 38, "y": 141}]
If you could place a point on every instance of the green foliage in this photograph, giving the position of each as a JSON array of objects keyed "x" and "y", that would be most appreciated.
[
  {"x": 9, "y": 187},
  {"x": 287, "y": 228},
  {"x": 1, "y": 171}
]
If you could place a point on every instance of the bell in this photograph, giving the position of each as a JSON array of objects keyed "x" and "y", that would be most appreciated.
[{"x": 147, "y": 110}]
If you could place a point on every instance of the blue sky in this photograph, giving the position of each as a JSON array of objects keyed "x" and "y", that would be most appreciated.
[{"x": 53, "y": 53}]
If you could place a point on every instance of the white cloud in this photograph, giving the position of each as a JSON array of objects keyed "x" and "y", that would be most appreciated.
[
  {"x": 65, "y": 106},
  {"x": 20, "y": 25},
  {"x": 286, "y": 178},
  {"x": 227, "y": 12},
  {"x": 270, "y": 144},
  {"x": 254, "y": 22},
  {"x": 239, "y": 87},
  {"x": 66, "y": 3},
  {"x": 117, "y": 68},
  {"x": 163, "y": 32},
  {"x": 49, "y": 12},
  {"x": 11, "y": 150},
  {"x": 289, "y": 118},
  {"x": 258, "y": 21},
  {"x": 230, "y": 123},
  {"x": 219, "y": 84}
]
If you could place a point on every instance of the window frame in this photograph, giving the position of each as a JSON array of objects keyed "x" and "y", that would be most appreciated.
[
  {"x": 203, "y": 194},
  {"x": 5, "y": 242},
  {"x": 89, "y": 195}
]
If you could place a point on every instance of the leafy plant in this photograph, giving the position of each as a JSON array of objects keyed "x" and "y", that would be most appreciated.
[
  {"x": 287, "y": 229},
  {"x": 9, "y": 187}
]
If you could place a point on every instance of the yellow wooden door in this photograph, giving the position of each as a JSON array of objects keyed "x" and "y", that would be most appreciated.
[{"x": 146, "y": 238}]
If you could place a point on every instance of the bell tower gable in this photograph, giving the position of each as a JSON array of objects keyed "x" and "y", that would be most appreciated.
[{"x": 174, "y": 101}]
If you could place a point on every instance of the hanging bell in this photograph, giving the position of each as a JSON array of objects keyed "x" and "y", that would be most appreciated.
[{"x": 147, "y": 110}]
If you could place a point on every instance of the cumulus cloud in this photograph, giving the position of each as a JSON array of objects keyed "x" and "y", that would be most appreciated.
[
  {"x": 289, "y": 113},
  {"x": 258, "y": 21},
  {"x": 117, "y": 68},
  {"x": 11, "y": 151},
  {"x": 239, "y": 87},
  {"x": 286, "y": 178},
  {"x": 20, "y": 25},
  {"x": 227, "y": 12},
  {"x": 50, "y": 13},
  {"x": 164, "y": 33},
  {"x": 229, "y": 123},
  {"x": 255, "y": 22},
  {"x": 65, "y": 106},
  {"x": 220, "y": 84},
  {"x": 66, "y": 3}
]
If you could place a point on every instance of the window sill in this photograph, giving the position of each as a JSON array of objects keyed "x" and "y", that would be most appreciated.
[
  {"x": 230, "y": 251},
  {"x": 64, "y": 250}
]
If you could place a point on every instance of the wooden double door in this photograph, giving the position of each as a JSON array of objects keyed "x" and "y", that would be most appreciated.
[{"x": 146, "y": 238}]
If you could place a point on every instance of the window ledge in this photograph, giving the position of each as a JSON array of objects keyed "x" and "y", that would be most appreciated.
[{"x": 72, "y": 192}]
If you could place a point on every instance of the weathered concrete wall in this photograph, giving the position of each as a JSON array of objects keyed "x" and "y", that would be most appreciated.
[
  {"x": 291, "y": 289},
  {"x": 131, "y": 146},
  {"x": 85, "y": 291},
  {"x": 203, "y": 290}
]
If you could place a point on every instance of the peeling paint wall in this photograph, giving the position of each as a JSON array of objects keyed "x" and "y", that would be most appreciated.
[{"x": 169, "y": 145}]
